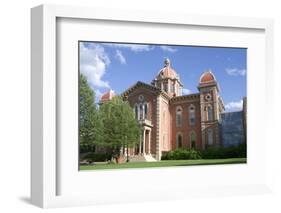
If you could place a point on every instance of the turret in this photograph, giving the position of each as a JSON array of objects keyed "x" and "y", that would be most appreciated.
[{"x": 168, "y": 80}]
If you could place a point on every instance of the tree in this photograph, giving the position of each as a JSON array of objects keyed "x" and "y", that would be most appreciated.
[
  {"x": 119, "y": 126},
  {"x": 87, "y": 114}
]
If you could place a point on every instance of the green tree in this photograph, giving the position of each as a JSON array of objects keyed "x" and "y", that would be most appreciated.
[
  {"x": 87, "y": 114},
  {"x": 119, "y": 126}
]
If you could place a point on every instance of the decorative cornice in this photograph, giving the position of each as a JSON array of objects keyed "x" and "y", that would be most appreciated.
[
  {"x": 185, "y": 97},
  {"x": 158, "y": 91},
  {"x": 209, "y": 84}
]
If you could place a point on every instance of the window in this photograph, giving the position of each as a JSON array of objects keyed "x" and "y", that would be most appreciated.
[
  {"x": 165, "y": 87},
  {"x": 210, "y": 137},
  {"x": 136, "y": 112},
  {"x": 191, "y": 115},
  {"x": 141, "y": 111},
  {"x": 145, "y": 110},
  {"x": 141, "y": 98},
  {"x": 193, "y": 140},
  {"x": 210, "y": 113},
  {"x": 179, "y": 140},
  {"x": 178, "y": 116}
]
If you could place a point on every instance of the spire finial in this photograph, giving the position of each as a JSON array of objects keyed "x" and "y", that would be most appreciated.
[{"x": 167, "y": 62}]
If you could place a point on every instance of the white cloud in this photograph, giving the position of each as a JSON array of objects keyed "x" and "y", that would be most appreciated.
[
  {"x": 120, "y": 57},
  {"x": 168, "y": 49},
  {"x": 234, "y": 105},
  {"x": 93, "y": 64},
  {"x": 235, "y": 71},
  {"x": 186, "y": 91},
  {"x": 133, "y": 47}
]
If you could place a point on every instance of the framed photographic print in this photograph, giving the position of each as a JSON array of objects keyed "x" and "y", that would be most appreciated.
[{"x": 148, "y": 106}]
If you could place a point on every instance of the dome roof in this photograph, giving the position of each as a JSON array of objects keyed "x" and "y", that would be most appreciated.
[
  {"x": 207, "y": 77},
  {"x": 107, "y": 96},
  {"x": 167, "y": 71}
]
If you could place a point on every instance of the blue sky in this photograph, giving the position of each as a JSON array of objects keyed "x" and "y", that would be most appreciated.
[{"x": 118, "y": 66}]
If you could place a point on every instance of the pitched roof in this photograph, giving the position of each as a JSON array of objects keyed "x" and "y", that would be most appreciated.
[
  {"x": 107, "y": 96},
  {"x": 141, "y": 84}
]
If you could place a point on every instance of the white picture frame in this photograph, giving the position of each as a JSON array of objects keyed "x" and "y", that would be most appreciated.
[{"x": 45, "y": 171}]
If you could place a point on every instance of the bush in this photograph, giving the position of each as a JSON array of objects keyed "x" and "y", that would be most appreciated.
[
  {"x": 97, "y": 157},
  {"x": 181, "y": 154},
  {"x": 238, "y": 151},
  {"x": 84, "y": 148}
]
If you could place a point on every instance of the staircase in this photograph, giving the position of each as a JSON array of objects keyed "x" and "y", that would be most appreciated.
[
  {"x": 149, "y": 158},
  {"x": 142, "y": 158}
]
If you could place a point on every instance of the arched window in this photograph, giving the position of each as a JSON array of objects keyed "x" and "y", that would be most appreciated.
[
  {"x": 166, "y": 87},
  {"x": 193, "y": 140},
  {"x": 179, "y": 140},
  {"x": 145, "y": 110},
  {"x": 191, "y": 114},
  {"x": 210, "y": 113},
  {"x": 210, "y": 137},
  {"x": 141, "y": 111},
  {"x": 136, "y": 111},
  {"x": 178, "y": 116}
]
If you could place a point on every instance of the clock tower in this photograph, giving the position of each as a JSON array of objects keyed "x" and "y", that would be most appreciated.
[{"x": 211, "y": 106}]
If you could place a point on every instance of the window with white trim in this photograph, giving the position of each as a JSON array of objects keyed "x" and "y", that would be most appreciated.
[
  {"x": 136, "y": 112},
  {"x": 178, "y": 116},
  {"x": 141, "y": 111},
  {"x": 191, "y": 111},
  {"x": 210, "y": 113},
  {"x": 145, "y": 110},
  {"x": 179, "y": 140}
]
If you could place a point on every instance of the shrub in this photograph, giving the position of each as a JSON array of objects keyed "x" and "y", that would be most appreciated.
[
  {"x": 181, "y": 154},
  {"x": 84, "y": 148},
  {"x": 238, "y": 151},
  {"x": 195, "y": 154},
  {"x": 97, "y": 157}
]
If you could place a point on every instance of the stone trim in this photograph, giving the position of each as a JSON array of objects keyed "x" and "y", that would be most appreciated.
[{"x": 158, "y": 148}]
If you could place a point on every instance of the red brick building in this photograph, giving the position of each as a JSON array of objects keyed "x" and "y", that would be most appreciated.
[{"x": 170, "y": 120}]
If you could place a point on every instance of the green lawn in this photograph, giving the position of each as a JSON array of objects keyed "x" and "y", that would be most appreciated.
[{"x": 163, "y": 163}]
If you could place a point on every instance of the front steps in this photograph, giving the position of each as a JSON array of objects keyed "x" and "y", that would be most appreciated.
[
  {"x": 149, "y": 158},
  {"x": 142, "y": 158}
]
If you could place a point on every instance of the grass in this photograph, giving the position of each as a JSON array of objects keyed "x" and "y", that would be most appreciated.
[{"x": 163, "y": 163}]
